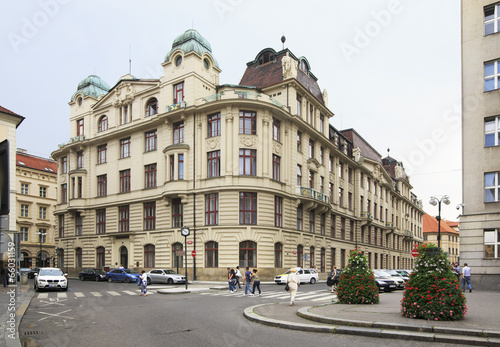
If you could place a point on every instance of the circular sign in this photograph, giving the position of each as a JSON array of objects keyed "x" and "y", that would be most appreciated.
[
  {"x": 193, "y": 253},
  {"x": 190, "y": 242},
  {"x": 415, "y": 253}
]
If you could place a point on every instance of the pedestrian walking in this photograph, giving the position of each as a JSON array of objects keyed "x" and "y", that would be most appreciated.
[
  {"x": 293, "y": 282},
  {"x": 333, "y": 277},
  {"x": 456, "y": 270},
  {"x": 466, "y": 278},
  {"x": 238, "y": 276},
  {"x": 144, "y": 283},
  {"x": 256, "y": 282},
  {"x": 248, "y": 275},
  {"x": 5, "y": 276}
]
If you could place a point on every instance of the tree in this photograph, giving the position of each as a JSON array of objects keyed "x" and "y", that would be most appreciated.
[
  {"x": 357, "y": 283},
  {"x": 433, "y": 290}
]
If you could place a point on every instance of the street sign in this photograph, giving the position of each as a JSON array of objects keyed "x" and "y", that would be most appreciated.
[
  {"x": 190, "y": 242},
  {"x": 179, "y": 253},
  {"x": 415, "y": 253},
  {"x": 193, "y": 253}
]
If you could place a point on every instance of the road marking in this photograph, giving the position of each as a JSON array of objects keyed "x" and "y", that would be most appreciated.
[
  {"x": 129, "y": 292},
  {"x": 62, "y": 295},
  {"x": 328, "y": 298},
  {"x": 79, "y": 295},
  {"x": 55, "y": 315},
  {"x": 43, "y": 295},
  {"x": 96, "y": 293},
  {"x": 113, "y": 293}
]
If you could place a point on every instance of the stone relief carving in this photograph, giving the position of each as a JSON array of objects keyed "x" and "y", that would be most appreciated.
[
  {"x": 213, "y": 143},
  {"x": 290, "y": 66},
  {"x": 277, "y": 148},
  {"x": 248, "y": 141}
]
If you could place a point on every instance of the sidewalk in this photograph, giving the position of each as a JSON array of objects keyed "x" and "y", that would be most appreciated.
[
  {"x": 14, "y": 301},
  {"x": 480, "y": 326}
]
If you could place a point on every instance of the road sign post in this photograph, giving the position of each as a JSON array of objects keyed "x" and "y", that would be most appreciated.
[{"x": 193, "y": 253}]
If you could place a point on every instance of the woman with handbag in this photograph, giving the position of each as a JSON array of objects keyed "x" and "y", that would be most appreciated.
[{"x": 293, "y": 283}]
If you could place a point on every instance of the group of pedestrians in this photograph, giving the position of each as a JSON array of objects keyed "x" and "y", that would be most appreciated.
[{"x": 252, "y": 281}]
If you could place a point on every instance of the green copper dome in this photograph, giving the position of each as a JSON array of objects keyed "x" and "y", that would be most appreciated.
[
  {"x": 93, "y": 86},
  {"x": 190, "y": 41}
]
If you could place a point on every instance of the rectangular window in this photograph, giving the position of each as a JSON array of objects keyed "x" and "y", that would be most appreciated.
[
  {"x": 150, "y": 176},
  {"x": 178, "y": 92},
  {"x": 299, "y": 105},
  {"x": 248, "y": 208},
  {"x": 311, "y": 149},
  {"x": 64, "y": 165},
  {"x": 43, "y": 192},
  {"x": 311, "y": 221},
  {"x": 349, "y": 201},
  {"x": 368, "y": 183},
  {"x": 322, "y": 223},
  {"x": 278, "y": 211},
  {"x": 276, "y": 167},
  {"x": 341, "y": 197},
  {"x": 491, "y": 75},
  {"x": 78, "y": 224},
  {"x": 330, "y": 163},
  {"x": 491, "y": 187},
  {"x": 178, "y": 133},
  {"x": 492, "y": 132},
  {"x": 214, "y": 124},
  {"x": 125, "y": 181},
  {"x": 25, "y": 210},
  {"x": 248, "y": 162},
  {"x": 125, "y": 147},
  {"x": 151, "y": 139},
  {"x": 211, "y": 254},
  {"x": 79, "y": 127},
  {"x": 361, "y": 180},
  {"x": 79, "y": 159},
  {"x": 332, "y": 225},
  {"x": 24, "y": 233},
  {"x": 42, "y": 235},
  {"x": 311, "y": 179},
  {"x": 80, "y": 188},
  {"x": 149, "y": 216},
  {"x": 491, "y": 19},
  {"x": 61, "y": 225},
  {"x": 248, "y": 122},
  {"x": 100, "y": 226},
  {"x": 42, "y": 212},
  {"x": 276, "y": 130},
  {"x": 213, "y": 162},
  {"x": 341, "y": 169},
  {"x": 102, "y": 183},
  {"x": 321, "y": 123},
  {"x": 330, "y": 191},
  {"x": 321, "y": 155},
  {"x": 180, "y": 164},
  {"x": 299, "y": 142},
  {"x": 102, "y": 154},
  {"x": 342, "y": 228},
  {"x": 349, "y": 175},
  {"x": 322, "y": 185},
  {"x": 172, "y": 167},
  {"x": 212, "y": 209},
  {"x": 300, "y": 217},
  {"x": 177, "y": 213},
  {"x": 299, "y": 175},
  {"x": 123, "y": 218},
  {"x": 24, "y": 188},
  {"x": 492, "y": 243}
]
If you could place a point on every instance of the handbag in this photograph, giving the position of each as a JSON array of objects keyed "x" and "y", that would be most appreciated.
[{"x": 287, "y": 288}]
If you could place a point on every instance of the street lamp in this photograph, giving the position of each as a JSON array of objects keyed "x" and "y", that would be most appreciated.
[
  {"x": 435, "y": 201},
  {"x": 42, "y": 234}
]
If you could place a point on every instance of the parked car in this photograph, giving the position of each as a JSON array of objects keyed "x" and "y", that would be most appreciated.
[
  {"x": 305, "y": 276},
  {"x": 92, "y": 274},
  {"x": 33, "y": 271},
  {"x": 404, "y": 272},
  {"x": 122, "y": 275},
  {"x": 400, "y": 282},
  {"x": 396, "y": 273},
  {"x": 165, "y": 276},
  {"x": 385, "y": 282},
  {"x": 51, "y": 278}
]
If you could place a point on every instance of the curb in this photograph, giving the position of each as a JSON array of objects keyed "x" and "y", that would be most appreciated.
[
  {"x": 168, "y": 291},
  {"x": 374, "y": 329},
  {"x": 21, "y": 310}
]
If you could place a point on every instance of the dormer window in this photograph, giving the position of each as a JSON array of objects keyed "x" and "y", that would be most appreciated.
[
  {"x": 151, "y": 107},
  {"x": 206, "y": 63},
  {"x": 266, "y": 57},
  {"x": 80, "y": 101},
  {"x": 178, "y": 60},
  {"x": 103, "y": 124},
  {"x": 303, "y": 66}
]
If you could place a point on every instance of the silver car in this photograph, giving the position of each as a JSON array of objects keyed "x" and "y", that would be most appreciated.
[{"x": 165, "y": 276}]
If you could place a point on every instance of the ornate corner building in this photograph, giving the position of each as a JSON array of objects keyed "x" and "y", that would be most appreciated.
[{"x": 255, "y": 170}]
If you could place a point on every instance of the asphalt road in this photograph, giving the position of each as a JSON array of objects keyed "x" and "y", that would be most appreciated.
[{"x": 113, "y": 314}]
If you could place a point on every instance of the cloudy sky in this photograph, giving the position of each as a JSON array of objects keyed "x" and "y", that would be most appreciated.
[{"x": 391, "y": 67}]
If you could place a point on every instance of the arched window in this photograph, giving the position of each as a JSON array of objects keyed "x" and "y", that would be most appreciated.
[
  {"x": 323, "y": 260},
  {"x": 278, "y": 255},
  {"x": 100, "y": 257},
  {"x": 151, "y": 107},
  {"x": 177, "y": 259},
  {"x": 248, "y": 254},
  {"x": 300, "y": 255},
  {"x": 78, "y": 257},
  {"x": 311, "y": 257},
  {"x": 149, "y": 256},
  {"x": 303, "y": 66},
  {"x": 211, "y": 254},
  {"x": 103, "y": 124}
]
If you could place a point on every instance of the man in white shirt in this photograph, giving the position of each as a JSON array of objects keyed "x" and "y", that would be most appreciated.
[
  {"x": 238, "y": 276},
  {"x": 466, "y": 278}
]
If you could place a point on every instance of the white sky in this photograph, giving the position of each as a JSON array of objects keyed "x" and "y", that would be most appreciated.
[{"x": 391, "y": 68}]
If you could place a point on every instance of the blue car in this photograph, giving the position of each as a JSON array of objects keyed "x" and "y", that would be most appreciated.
[{"x": 122, "y": 275}]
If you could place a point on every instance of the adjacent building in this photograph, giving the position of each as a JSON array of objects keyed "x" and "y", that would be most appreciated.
[
  {"x": 36, "y": 197},
  {"x": 254, "y": 169},
  {"x": 450, "y": 239},
  {"x": 479, "y": 222}
]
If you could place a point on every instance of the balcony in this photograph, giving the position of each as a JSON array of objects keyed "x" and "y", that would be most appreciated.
[
  {"x": 365, "y": 214},
  {"x": 311, "y": 193},
  {"x": 408, "y": 233},
  {"x": 73, "y": 140},
  {"x": 176, "y": 106}
]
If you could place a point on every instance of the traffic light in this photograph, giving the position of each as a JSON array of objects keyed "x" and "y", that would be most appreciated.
[{"x": 4, "y": 178}]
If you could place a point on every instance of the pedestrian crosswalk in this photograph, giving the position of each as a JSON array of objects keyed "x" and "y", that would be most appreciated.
[
  {"x": 77, "y": 295},
  {"x": 316, "y": 296}
]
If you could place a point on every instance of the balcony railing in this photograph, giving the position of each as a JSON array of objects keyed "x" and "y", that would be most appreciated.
[
  {"x": 314, "y": 194},
  {"x": 365, "y": 214},
  {"x": 72, "y": 140},
  {"x": 176, "y": 106},
  {"x": 389, "y": 225},
  {"x": 408, "y": 233}
]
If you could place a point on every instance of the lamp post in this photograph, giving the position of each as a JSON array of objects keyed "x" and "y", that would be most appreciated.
[
  {"x": 435, "y": 201},
  {"x": 42, "y": 234}
]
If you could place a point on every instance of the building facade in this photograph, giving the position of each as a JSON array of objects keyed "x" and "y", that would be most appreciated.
[
  {"x": 480, "y": 219},
  {"x": 255, "y": 171},
  {"x": 450, "y": 239},
  {"x": 36, "y": 197}
]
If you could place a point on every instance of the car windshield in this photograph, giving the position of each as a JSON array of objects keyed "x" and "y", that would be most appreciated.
[
  {"x": 50, "y": 272},
  {"x": 169, "y": 272},
  {"x": 393, "y": 273},
  {"x": 130, "y": 272},
  {"x": 381, "y": 273}
]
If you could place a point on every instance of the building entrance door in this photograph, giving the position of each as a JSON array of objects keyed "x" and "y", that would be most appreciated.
[{"x": 124, "y": 257}]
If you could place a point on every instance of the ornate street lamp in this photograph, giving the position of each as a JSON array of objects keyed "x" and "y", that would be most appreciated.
[
  {"x": 42, "y": 234},
  {"x": 435, "y": 201}
]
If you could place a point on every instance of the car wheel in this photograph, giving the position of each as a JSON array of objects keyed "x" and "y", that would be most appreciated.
[
  {"x": 149, "y": 281},
  {"x": 313, "y": 280},
  {"x": 170, "y": 281},
  {"x": 127, "y": 280},
  {"x": 81, "y": 278},
  {"x": 97, "y": 278},
  {"x": 110, "y": 279}
]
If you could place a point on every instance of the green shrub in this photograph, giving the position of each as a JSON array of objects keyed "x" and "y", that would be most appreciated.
[
  {"x": 433, "y": 290},
  {"x": 357, "y": 283}
]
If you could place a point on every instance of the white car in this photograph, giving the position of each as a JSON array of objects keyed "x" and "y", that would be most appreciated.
[
  {"x": 165, "y": 276},
  {"x": 51, "y": 278},
  {"x": 305, "y": 276},
  {"x": 400, "y": 282}
]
